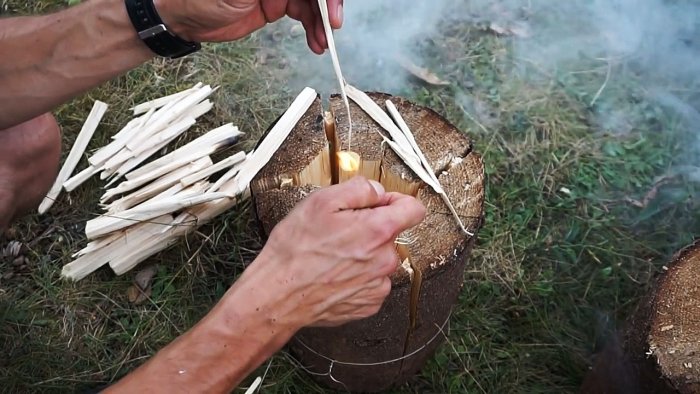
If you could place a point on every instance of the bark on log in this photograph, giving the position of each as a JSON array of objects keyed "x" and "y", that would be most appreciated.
[
  {"x": 410, "y": 321},
  {"x": 659, "y": 351}
]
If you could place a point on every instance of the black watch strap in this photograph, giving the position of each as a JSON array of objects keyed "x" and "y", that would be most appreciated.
[{"x": 154, "y": 33}]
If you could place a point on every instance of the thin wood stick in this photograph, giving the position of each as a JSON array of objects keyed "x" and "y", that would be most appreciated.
[
  {"x": 129, "y": 239},
  {"x": 159, "y": 185},
  {"x": 103, "y": 154},
  {"x": 167, "y": 115},
  {"x": 379, "y": 115},
  {"x": 132, "y": 184},
  {"x": 81, "y": 142},
  {"x": 274, "y": 140},
  {"x": 323, "y": 6},
  {"x": 159, "y": 102},
  {"x": 403, "y": 126},
  {"x": 104, "y": 225},
  {"x": 77, "y": 180},
  {"x": 223, "y": 134},
  {"x": 228, "y": 175},
  {"x": 163, "y": 137},
  {"x": 222, "y": 165},
  {"x": 124, "y": 167}
]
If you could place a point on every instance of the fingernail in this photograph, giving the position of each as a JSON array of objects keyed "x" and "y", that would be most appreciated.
[
  {"x": 377, "y": 187},
  {"x": 339, "y": 14}
]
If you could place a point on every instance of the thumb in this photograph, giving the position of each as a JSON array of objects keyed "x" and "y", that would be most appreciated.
[{"x": 357, "y": 193}]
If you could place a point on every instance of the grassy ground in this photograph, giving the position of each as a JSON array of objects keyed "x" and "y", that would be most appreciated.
[{"x": 562, "y": 259}]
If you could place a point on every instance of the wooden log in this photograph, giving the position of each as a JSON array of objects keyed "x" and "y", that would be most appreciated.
[
  {"x": 433, "y": 254},
  {"x": 79, "y": 146},
  {"x": 659, "y": 349}
]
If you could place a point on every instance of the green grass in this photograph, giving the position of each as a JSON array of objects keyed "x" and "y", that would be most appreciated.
[{"x": 561, "y": 261}]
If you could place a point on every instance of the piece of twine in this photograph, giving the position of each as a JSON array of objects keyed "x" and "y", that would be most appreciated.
[{"x": 334, "y": 362}]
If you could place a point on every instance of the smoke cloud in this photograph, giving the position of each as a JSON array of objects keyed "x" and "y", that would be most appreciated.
[{"x": 656, "y": 40}]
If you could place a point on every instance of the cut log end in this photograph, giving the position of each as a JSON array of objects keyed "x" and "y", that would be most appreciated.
[
  {"x": 674, "y": 330},
  {"x": 659, "y": 351}
]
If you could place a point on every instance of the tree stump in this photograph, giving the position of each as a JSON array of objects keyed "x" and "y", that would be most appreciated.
[
  {"x": 660, "y": 349},
  {"x": 387, "y": 349}
]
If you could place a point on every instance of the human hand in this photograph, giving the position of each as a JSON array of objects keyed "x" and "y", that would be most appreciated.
[
  {"x": 228, "y": 20},
  {"x": 328, "y": 262}
]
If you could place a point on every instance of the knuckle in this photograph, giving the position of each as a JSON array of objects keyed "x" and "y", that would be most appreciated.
[{"x": 384, "y": 229}]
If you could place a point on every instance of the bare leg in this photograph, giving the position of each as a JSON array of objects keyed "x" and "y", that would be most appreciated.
[{"x": 29, "y": 157}]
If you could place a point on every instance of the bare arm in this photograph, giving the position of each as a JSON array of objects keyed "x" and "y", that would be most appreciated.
[
  {"x": 223, "y": 348},
  {"x": 49, "y": 59},
  {"x": 326, "y": 264}
]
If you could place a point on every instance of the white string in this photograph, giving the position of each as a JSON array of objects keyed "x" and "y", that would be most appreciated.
[{"x": 333, "y": 361}]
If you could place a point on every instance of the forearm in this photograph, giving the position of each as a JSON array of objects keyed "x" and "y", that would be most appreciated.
[
  {"x": 47, "y": 60},
  {"x": 239, "y": 334}
]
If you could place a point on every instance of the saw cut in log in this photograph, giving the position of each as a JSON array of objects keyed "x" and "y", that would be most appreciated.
[
  {"x": 659, "y": 351},
  {"x": 433, "y": 254},
  {"x": 76, "y": 152}
]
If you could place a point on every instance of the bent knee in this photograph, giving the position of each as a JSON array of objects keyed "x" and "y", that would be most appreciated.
[{"x": 29, "y": 157}]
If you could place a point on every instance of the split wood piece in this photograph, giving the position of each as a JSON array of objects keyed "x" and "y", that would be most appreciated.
[
  {"x": 80, "y": 178},
  {"x": 380, "y": 116},
  {"x": 227, "y": 134},
  {"x": 272, "y": 142},
  {"x": 159, "y": 102},
  {"x": 323, "y": 6},
  {"x": 106, "y": 152},
  {"x": 426, "y": 287},
  {"x": 425, "y": 164},
  {"x": 134, "y": 183},
  {"x": 166, "y": 185},
  {"x": 659, "y": 349},
  {"x": 81, "y": 142},
  {"x": 220, "y": 166},
  {"x": 168, "y": 114},
  {"x": 366, "y": 134},
  {"x": 104, "y": 225},
  {"x": 348, "y": 165},
  {"x": 333, "y": 143},
  {"x": 97, "y": 244},
  {"x": 304, "y": 155},
  {"x": 169, "y": 133},
  {"x": 127, "y": 239},
  {"x": 232, "y": 135},
  {"x": 125, "y": 160},
  {"x": 185, "y": 223},
  {"x": 228, "y": 176}
]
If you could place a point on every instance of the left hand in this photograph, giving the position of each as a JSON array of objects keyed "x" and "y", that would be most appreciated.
[{"x": 228, "y": 20}]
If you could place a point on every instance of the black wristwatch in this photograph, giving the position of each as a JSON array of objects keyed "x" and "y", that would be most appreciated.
[{"x": 154, "y": 33}]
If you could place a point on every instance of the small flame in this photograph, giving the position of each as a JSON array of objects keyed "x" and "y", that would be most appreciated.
[{"x": 348, "y": 161}]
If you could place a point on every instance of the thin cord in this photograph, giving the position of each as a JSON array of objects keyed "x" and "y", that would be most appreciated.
[{"x": 333, "y": 361}]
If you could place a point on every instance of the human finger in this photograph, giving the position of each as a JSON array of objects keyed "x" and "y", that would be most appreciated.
[
  {"x": 303, "y": 12},
  {"x": 335, "y": 13},
  {"x": 357, "y": 193},
  {"x": 399, "y": 213}
]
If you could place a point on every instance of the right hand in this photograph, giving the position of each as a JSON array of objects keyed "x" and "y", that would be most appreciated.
[{"x": 330, "y": 259}]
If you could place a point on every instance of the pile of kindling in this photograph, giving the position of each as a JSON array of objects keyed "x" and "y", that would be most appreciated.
[{"x": 156, "y": 204}]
